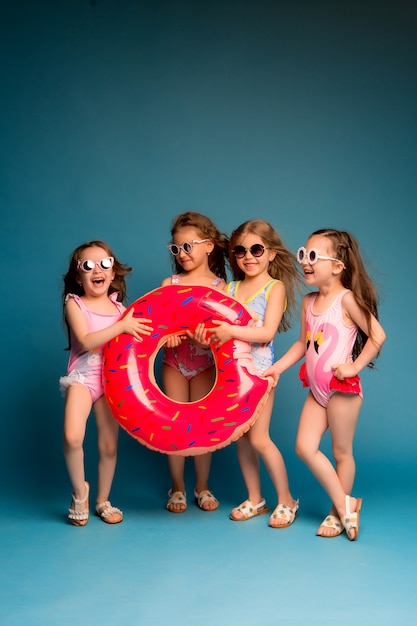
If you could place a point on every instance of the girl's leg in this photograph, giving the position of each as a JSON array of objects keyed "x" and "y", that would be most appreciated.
[
  {"x": 342, "y": 414},
  {"x": 314, "y": 422},
  {"x": 107, "y": 434},
  {"x": 78, "y": 405},
  {"x": 249, "y": 466},
  {"x": 263, "y": 445},
  {"x": 311, "y": 428},
  {"x": 177, "y": 388},
  {"x": 177, "y": 502},
  {"x": 202, "y": 465},
  {"x": 200, "y": 386},
  {"x": 248, "y": 455}
]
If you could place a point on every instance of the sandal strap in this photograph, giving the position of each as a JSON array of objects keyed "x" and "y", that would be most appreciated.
[
  {"x": 248, "y": 504},
  {"x": 105, "y": 509},
  {"x": 204, "y": 496},
  {"x": 283, "y": 511},
  {"x": 177, "y": 497},
  {"x": 350, "y": 520},
  {"x": 79, "y": 516},
  {"x": 81, "y": 502},
  {"x": 78, "y": 510},
  {"x": 331, "y": 521},
  {"x": 249, "y": 509}
]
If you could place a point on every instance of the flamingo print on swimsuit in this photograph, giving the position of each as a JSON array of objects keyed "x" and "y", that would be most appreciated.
[{"x": 324, "y": 342}]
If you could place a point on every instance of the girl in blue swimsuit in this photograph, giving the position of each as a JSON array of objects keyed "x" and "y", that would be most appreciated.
[{"x": 266, "y": 276}]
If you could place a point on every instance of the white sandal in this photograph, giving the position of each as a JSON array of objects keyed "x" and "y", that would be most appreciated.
[
  {"x": 249, "y": 510},
  {"x": 79, "y": 512},
  {"x": 205, "y": 496},
  {"x": 105, "y": 510},
  {"x": 286, "y": 513},
  {"x": 350, "y": 520},
  {"x": 176, "y": 497},
  {"x": 333, "y": 522}
]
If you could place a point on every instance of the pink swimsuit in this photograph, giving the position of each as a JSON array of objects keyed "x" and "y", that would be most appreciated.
[
  {"x": 329, "y": 341},
  {"x": 83, "y": 366},
  {"x": 189, "y": 358}
]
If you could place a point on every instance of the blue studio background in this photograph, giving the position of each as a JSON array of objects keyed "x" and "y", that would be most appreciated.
[{"x": 117, "y": 115}]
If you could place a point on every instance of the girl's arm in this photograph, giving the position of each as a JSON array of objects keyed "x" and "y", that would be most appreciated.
[
  {"x": 173, "y": 341},
  {"x": 294, "y": 353},
  {"x": 376, "y": 338},
  {"x": 223, "y": 331},
  {"x": 91, "y": 340}
]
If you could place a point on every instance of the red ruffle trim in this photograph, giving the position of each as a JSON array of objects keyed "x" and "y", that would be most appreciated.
[
  {"x": 348, "y": 385},
  {"x": 302, "y": 375}
]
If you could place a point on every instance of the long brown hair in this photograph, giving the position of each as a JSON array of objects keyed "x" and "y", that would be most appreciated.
[
  {"x": 283, "y": 267},
  {"x": 354, "y": 277},
  {"x": 208, "y": 230}
]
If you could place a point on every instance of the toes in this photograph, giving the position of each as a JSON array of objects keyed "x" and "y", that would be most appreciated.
[
  {"x": 276, "y": 523},
  {"x": 327, "y": 532}
]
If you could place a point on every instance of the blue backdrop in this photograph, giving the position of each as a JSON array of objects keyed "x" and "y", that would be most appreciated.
[{"x": 117, "y": 115}]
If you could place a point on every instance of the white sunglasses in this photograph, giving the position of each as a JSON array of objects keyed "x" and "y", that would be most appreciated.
[
  {"x": 312, "y": 256},
  {"x": 88, "y": 265},
  {"x": 186, "y": 247}
]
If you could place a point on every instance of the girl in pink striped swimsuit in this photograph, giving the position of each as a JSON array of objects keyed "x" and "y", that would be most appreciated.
[{"x": 94, "y": 289}]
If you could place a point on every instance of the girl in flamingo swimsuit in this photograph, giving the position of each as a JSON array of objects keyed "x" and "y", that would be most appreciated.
[{"x": 340, "y": 336}]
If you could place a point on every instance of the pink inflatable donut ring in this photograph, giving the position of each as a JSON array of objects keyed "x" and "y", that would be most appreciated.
[{"x": 146, "y": 413}]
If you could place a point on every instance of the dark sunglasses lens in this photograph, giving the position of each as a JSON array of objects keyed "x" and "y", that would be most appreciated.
[
  {"x": 312, "y": 256},
  {"x": 187, "y": 247},
  {"x": 257, "y": 250},
  {"x": 239, "y": 252},
  {"x": 174, "y": 249}
]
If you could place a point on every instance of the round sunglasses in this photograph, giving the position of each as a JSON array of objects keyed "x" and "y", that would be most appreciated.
[
  {"x": 88, "y": 265},
  {"x": 186, "y": 247},
  {"x": 312, "y": 256},
  {"x": 256, "y": 250}
]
